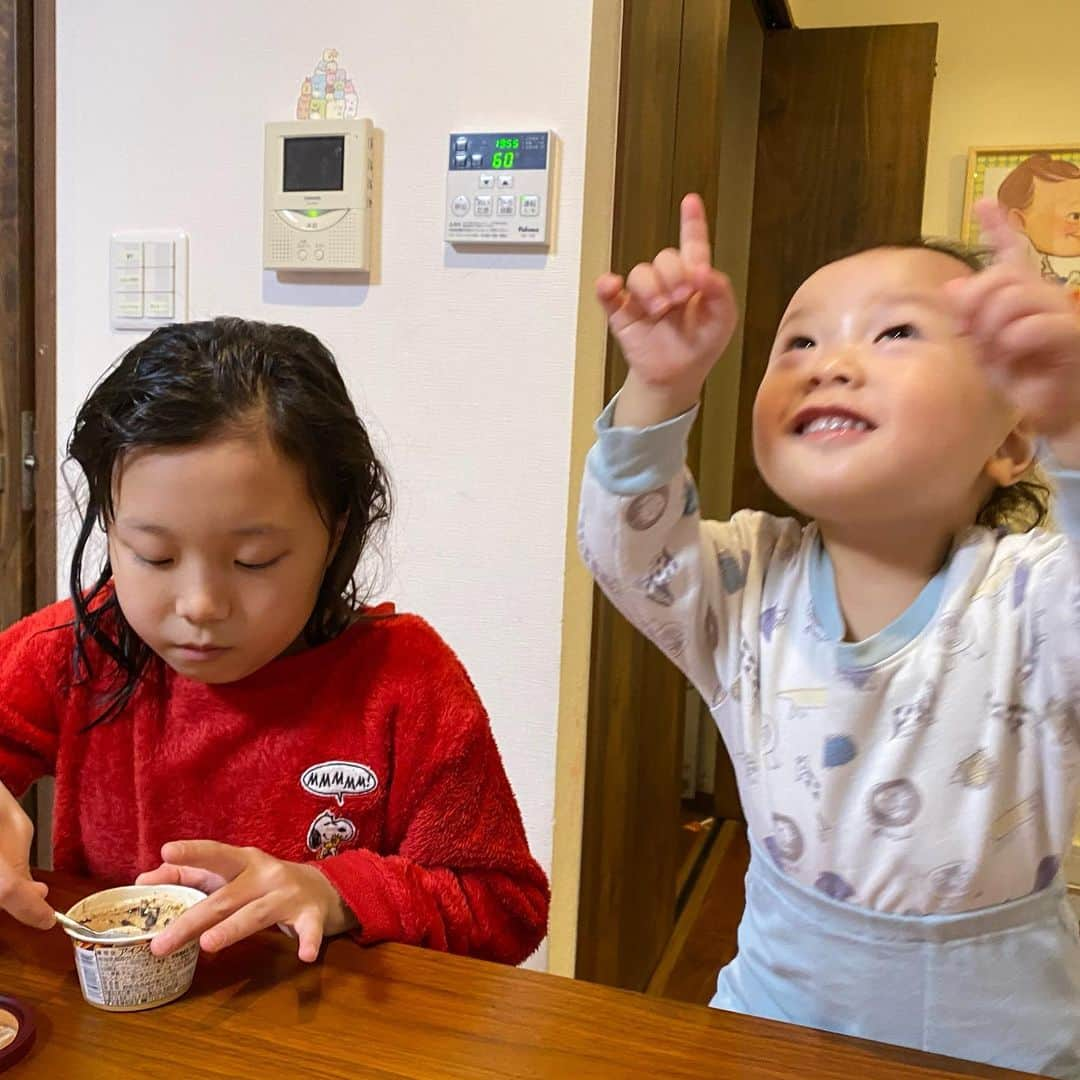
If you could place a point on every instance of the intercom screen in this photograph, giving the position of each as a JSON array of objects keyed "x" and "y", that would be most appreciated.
[{"x": 315, "y": 163}]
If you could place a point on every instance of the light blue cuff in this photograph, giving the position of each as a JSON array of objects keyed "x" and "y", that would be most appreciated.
[
  {"x": 1066, "y": 507},
  {"x": 632, "y": 461}
]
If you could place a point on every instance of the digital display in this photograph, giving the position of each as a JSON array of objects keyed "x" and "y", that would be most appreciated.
[
  {"x": 314, "y": 163},
  {"x": 499, "y": 151}
]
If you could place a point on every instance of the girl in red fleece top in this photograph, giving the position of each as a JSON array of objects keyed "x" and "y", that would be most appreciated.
[{"x": 216, "y": 698}]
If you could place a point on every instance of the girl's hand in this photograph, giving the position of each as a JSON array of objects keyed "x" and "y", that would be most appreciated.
[
  {"x": 249, "y": 891},
  {"x": 1027, "y": 330},
  {"x": 672, "y": 317},
  {"x": 20, "y": 896}
]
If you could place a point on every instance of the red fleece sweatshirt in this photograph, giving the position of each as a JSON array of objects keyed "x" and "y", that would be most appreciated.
[{"x": 373, "y": 749}]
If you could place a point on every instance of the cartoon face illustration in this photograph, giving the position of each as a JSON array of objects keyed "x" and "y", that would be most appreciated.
[
  {"x": 786, "y": 843},
  {"x": 318, "y": 85},
  {"x": 646, "y": 510},
  {"x": 951, "y": 881},
  {"x": 657, "y": 582},
  {"x": 895, "y": 804},
  {"x": 327, "y": 833}
]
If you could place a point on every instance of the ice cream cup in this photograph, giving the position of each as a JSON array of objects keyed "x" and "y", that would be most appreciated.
[{"x": 123, "y": 975}]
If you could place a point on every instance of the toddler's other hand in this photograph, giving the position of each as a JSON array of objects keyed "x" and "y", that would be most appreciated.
[
  {"x": 1026, "y": 329},
  {"x": 249, "y": 891}
]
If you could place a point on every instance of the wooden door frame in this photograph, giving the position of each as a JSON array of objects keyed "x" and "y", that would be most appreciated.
[
  {"x": 46, "y": 477},
  {"x": 670, "y": 52}
]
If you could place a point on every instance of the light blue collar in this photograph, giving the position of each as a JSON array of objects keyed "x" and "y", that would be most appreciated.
[{"x": 887, "y": 641}]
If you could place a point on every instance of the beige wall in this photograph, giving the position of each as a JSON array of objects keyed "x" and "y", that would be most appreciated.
[{"x": 1004, "y": 78}]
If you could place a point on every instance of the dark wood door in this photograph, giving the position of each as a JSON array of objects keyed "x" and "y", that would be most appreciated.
[
  {"x": 841, "y": 163},
  {"x": 16, "y": 309}
]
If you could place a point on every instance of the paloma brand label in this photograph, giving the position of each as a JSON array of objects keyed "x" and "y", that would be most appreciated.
[{"x": 337, "y": 779}]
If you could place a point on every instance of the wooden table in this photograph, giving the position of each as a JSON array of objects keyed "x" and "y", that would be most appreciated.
[{"x": 256, "y": 1012}]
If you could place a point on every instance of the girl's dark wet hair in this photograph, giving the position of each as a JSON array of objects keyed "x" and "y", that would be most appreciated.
[
  {"x": 1021, "y": 506},
  {"x": 191, "y": 382}
]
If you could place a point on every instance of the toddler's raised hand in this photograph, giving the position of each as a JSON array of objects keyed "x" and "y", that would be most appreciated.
[
  {"x": 1027, "y": 329},
  {"x": 672, "y": 317},
  {"x": 20, "y": 896}
]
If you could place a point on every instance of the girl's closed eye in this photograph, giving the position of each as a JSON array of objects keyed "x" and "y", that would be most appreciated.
[
  {"x": 265, "y": 564},
  {"x": 158, "y": 563}
]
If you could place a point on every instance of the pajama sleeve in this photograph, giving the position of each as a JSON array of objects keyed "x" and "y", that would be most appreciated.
[{"x": 693, "y": 587}]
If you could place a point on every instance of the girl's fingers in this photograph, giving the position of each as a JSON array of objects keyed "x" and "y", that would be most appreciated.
[
  {"x": 260, "y": 914},
  {"x": 1006, "y": 243},
  {"x": 647, "y": 291},
  {"x": 222, "y": 859},
  {"x": 192, "y": 876},
  {"x": 308, "y": 927},
  {"x": 694, "y": 243},
  {"x": 24, "y": 900},
  {"x": 196, "y": 920}
]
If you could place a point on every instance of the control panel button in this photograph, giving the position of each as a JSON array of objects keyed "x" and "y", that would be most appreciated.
[
  {"x": 320, "y": 254},
  {"x": 461, "y": 142},
  {"x": 129, "y": 281},
  {"x": 482, "y": 206},
  {"x": 157, "y": 253},
  {"x": 461, "y": 161},
  {"x": 159, "y": 279},
  {"x": 487, "y": 180},
  {"x": 460, "y": 206},
  {"x": 126, "y": 254},
  {"x": 506, "y": 180},
  {"x": 159, "y": 305},
  {"x": 127, "y": 305},
  {"x": 477, "y": 161},
  {"x": 506, "y": 206},
  {"x": 530, "y": 205}
]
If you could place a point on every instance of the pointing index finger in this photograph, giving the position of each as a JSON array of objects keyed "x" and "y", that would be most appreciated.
[
  {"x": 694, "y": 243},
  {"x": 1006, "y": 243}
]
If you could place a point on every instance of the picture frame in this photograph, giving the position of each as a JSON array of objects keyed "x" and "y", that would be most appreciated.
[{"x": 1039, "y": 186}]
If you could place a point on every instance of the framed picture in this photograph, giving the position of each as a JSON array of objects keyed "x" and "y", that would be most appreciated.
[{"x": 1039, "y": 188}]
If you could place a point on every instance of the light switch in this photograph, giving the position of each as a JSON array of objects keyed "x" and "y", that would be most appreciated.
[
  {"x": 158, "y": 279},
  {"x": 128, "y": 281},
  {"x": 126, "y": 254},
  {"x": 147, "y": 278},
  {"x": 157, "y": 253},
  {"x": 159, "y": 305}
]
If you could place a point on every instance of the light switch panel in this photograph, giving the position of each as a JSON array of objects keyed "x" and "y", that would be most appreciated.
[{"x": 148, "y": 278}]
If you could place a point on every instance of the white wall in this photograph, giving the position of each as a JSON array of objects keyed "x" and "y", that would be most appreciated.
[{"x": 463, "y": 365}]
